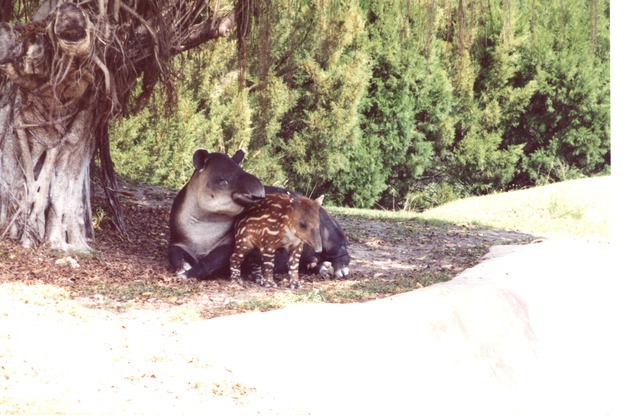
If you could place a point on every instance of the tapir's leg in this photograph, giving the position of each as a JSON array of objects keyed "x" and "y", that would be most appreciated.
[
  {"x": 325, "y": 264},
  {"x": 215, "y": 264},
  {"x": 235, "y": 267},
  {"x": 241, "y": 249},
  {"x": 309, "y": 259},
  {"x": 294, "y": 263},
  {"x": 253, "y": 265},
  {"x": 281, "y": 261},
  {"x": 312, "y": 262},
  {"x": 268, "y": 255},
  {"x": 180, "y": 260},
  {"x": 341, "y": 264},
  {"x": 257, "y": 272}
]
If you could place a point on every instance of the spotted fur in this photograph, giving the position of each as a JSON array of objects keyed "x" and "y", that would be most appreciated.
[{"x": 280, "y": 220}]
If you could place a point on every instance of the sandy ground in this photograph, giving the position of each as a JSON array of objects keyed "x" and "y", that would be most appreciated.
[{"x": 534, "y": 329}]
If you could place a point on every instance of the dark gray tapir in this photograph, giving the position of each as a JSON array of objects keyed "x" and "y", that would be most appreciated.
[{"x": 202, "y": 218}]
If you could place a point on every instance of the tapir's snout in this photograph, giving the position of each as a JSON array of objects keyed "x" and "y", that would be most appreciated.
[
  {"x": 249, "y": 190},
  {"x": 316, "y": 240},
  {"x": 246, "y": 199}
]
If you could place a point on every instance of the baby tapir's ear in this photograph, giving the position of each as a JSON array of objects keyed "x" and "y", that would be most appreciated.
[{"x": 319, "y": 200}]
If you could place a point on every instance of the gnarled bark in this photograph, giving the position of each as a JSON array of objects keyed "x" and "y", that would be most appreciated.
[{"x": 63, "y": 77}]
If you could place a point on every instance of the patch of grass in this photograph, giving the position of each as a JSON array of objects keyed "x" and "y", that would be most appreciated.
[
  {"x": 259, "y": 304},
  {"x": 562, "y": 205},
  {"x": 370, "y": 289},
  {"x": 138, "y": 290},
  {"x": 374, "y": 288},
  {"x": 573, "y": 208},
  {"x": 332, "y": 292},
  {"x": 399, "y": 215},
  {"x": 186, "y": 313},
  {"x": 272, "y": 301}
]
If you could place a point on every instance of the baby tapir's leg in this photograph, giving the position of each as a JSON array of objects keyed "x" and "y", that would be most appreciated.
[
  {"x": 257, "y": 272},
  {"x": 294, "y": 266},
  {"x": 268, "y": 255},
  {"x": 241, "y": 249}
]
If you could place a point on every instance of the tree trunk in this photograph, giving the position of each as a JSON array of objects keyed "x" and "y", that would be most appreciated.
[
  {"x": 47, "y": 139},
  {"x": 63, "y": 77},
  {"x": 45, "y": 178}
]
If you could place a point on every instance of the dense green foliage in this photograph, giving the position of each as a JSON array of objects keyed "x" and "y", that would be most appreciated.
[{"x": 389, "y": 102}]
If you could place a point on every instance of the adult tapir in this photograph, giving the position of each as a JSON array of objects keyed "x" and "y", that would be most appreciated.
[{"x": 202, "y": 218}]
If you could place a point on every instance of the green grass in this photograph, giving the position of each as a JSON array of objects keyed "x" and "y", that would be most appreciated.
[
  {"x": 400, "y": 215},
  {"x": 114, "y": 293},
  {"x": 332, "y": 292},
  {"x": 579, "y": 208}
]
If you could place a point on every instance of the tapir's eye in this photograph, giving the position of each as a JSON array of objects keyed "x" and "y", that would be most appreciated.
[
  {"x": 223, "y": 183},
  {"x": 303, "y": 225}
]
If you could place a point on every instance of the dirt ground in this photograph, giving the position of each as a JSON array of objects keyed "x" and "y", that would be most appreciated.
[{"x": 99, "y": 333}]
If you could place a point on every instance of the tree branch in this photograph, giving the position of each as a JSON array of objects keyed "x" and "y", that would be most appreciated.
[{"x": 202, "y": 32}]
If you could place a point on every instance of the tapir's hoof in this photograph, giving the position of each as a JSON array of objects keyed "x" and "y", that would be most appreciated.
[
  {"x": 342, "y": 272},
  {"x": 295, "y": 286},
  {"x": 183, "y": 272},
  {"x": 270, "y": 284},
  {"x": 326, "y": 269},
  {"x": 236, "y": 284}
]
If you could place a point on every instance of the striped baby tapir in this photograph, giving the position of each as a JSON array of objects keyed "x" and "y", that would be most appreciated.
[{"x": 280, "y": 220}]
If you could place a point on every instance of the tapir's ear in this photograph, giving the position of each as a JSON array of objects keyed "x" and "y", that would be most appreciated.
[
  {"x": 319, "y": 200},
  {"x": 199, "y": 159},
  {"x": 294, "y": 203},
  {"x": 238, "y": 156}
]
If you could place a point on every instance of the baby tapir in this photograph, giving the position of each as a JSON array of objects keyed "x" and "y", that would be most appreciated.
[
  {"x": 334, "y": 258},
  {"x": 280, "y": 220}
]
